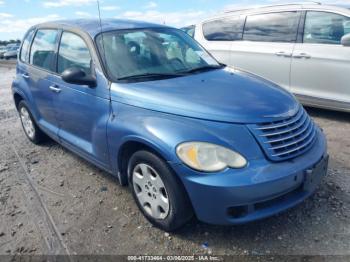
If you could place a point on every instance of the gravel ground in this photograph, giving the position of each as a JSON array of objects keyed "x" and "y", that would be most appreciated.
[{"x": 53, "y": 202}]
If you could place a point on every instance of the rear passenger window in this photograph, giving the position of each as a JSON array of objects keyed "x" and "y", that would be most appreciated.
[
  {"x": 73, "y": 52},
  {"x": 273, "y": 27},
  {"x": 226, "y": 29},
  {"x": 325, "y": 28},
  {"x": 24, "y": 57},
  {"x": 43, "y": 49}
]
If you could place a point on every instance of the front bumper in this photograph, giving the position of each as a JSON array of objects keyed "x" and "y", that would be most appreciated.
[{"x": 260, "y": 190}]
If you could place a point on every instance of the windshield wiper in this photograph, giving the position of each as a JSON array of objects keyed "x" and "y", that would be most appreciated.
[
  {"x": 203, "y": 68},
  {"x": 169, "y": 75},
  {"x": 150, "y": 75}
]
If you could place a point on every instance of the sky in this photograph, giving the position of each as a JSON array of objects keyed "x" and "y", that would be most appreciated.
[{"x": 16, "y": 16}]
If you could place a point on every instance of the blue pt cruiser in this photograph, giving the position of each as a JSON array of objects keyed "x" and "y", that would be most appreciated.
[{"x": 190, "y": 136}]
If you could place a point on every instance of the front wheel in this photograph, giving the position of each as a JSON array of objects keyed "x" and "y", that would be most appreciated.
[{"x": 158, "y": 192}]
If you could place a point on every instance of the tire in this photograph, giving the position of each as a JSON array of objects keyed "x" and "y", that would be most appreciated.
[
  {"x": 153, "y": 185},
  {"x": 30, "y": 128}
]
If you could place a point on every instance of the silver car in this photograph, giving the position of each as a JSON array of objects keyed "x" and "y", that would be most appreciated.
[
  {"x": 12, "y": 52},
  {"x": 303, "y": 48},
  {"x": 3, "y": 50}
]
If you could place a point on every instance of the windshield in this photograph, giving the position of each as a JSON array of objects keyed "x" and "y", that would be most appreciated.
[{"x": 152, "y": 53}]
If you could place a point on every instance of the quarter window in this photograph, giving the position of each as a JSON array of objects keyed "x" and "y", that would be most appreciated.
[
  {"x": 73, "y": 52},
  {"x": 43, "y": 49},
  {"x": 325, "y": 28},
  {"x": 273, "y": 27},
  {"x": 190, "y": 30},
  {"x": 24, "y": 57},
  {"x": 227, "y": 29}
]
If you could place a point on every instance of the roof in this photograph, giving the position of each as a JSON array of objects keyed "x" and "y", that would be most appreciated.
[
  {"x": 92, "y": 26},
  {"x": 279, "y": 8},
  {"x": 273, "y": 6}
]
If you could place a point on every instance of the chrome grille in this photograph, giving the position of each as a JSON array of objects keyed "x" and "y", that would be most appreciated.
[{"x": 287, "y": 138}]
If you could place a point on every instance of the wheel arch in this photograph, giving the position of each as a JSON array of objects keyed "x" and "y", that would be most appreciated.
[
  {"x": 17, "y": 97},
  {"x": 128, "y": 148}
]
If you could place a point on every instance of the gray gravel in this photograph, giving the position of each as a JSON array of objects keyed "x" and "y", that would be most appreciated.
[{"x": 53, "y": 202}]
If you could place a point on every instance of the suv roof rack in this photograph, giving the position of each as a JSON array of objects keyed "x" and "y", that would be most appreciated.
[{"x": 267, "y": 6}]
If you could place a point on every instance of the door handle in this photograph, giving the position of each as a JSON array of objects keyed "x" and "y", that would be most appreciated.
[
  {"x": 302, "y": 55},
  {"x": 284, "y": 54},
  {"x": 26, "y": 76},
  {"x": 55, "y": 89}
]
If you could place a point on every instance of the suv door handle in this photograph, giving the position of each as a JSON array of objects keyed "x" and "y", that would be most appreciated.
[
  {"x": 284, "y": 54},
  {"x": 55, "y": 89},
  {"x": 26, "y": 76},
  {"x": 302, "y": 55}
]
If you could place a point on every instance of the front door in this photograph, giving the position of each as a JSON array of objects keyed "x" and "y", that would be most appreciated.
[
  {"x": 321, "y": 65},
  {"x": 83, "y": 111}
]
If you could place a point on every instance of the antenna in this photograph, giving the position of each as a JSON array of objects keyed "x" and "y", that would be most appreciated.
[
  {"x": 99, "y": 14},
  {"x": 100, "y": 20},
  {"x": 104, "y": 56}
]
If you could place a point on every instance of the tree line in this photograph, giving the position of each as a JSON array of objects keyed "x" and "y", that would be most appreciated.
[{"x": 12, "y": 41}]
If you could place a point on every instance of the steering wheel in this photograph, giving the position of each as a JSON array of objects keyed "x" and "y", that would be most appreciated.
[{"x": 134, "y": 48}]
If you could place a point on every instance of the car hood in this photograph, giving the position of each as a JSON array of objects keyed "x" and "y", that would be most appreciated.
[{"x": 225, "y": 95}]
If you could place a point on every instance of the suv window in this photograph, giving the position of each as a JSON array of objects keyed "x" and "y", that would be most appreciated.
[
  {"x": 226, "y": 29},
  {"x": 43, "y": 48},
  {"x": 325, "y": 28},
  {"x": 24, "y": 57},
  {"x": 73, "y": 52},
  {"x": 347, "y": 27},
  {"x": 273, "y": 27}
]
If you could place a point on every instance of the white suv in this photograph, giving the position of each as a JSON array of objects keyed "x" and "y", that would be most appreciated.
[{"x": 303, "y": 48}]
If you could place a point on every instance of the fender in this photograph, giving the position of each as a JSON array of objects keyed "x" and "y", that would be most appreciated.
[
  {"x": 164, "y": 132},
  {"x": 17, "y": 88},
  {"x": 17, "y": 91}
]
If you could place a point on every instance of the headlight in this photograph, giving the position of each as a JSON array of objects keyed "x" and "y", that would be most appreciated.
[{"x": 209, "y": 157}]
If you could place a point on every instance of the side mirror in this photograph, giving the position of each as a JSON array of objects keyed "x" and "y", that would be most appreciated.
[
  {"x": 78, "y": 76},
  {"x": 345, "y": 40}
]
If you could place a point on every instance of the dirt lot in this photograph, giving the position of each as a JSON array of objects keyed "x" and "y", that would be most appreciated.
[{"x": 53, "y": 202}]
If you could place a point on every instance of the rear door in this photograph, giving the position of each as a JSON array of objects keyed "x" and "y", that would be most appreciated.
[
  {"x": 321, "y": 65},
  {"x": 23, "y": 66},
  {"x": 267, "y": 45},
  {"x": 83, "y": 111},
  {"x": 39, "y": 75}
]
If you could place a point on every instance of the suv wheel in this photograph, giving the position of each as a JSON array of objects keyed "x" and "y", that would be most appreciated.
[
  {"x": 30, "y": 128},
  {"x": 157, "y": 191}
]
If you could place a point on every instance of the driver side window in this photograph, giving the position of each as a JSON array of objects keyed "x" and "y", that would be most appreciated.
[
  {"x": 73, "y": 52},
  {"x": 325, "y": 28}
]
